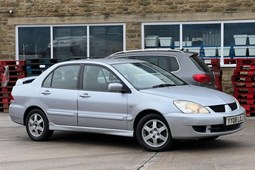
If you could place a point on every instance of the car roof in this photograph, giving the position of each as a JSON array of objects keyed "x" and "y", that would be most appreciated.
[
  {"x": 152, "y": 51},
  {"x": 101, "y": 61}
]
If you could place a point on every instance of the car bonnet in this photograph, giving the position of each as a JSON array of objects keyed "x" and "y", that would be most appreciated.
[{"x": 201, "y": 95}]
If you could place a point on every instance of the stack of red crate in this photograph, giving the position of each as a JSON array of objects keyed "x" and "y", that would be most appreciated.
[
  {"x": 214, "y": 64},
  {"x": 244, "y": 84},
  {"x": 15, "y": 70},
  {"x": 229, "y": 61}
]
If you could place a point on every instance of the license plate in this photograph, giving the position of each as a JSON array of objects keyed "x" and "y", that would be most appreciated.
[{"x": 234, "y": 120}]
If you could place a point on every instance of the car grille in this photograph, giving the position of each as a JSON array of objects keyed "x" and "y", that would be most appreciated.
[
  {"x": 223, "y": 128},
  {"x": 221, "y": 108},
  {"x": 217, "y": 128},
  {"x": 233, "y": 106}
]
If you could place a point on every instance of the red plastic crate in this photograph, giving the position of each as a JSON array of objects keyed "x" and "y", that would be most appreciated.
[
  {"x": 20, "y": 62},
  {"x": 215, "y": 69},
  {"x": 242, "y": 78},
  {"x": 7, "y": 62},
  {"x": 6, "y": 89},
  {"x": 215, "y": 60},
  {"x": 247, "y": 102},
  {"x": 5, "y": 100},
  {"x": 212, "y": 61},
  {"x": 218, "y": 78},
  {"x": 217, "y": 73},
  {"x": 219, "y": 87},
  {"x": 244, "y": 96},
  {"x": 244, "y": 73},
  {"x": 245, "y": 62},
  {"x": 245, "y": 67},
  {"x": 229, "y": 61},
  {"x": 249, "y": 108},
  {"x": 243, "y": 84},
  {"x": 244, "y": 90},
  {"x": 249, "y": 114}
]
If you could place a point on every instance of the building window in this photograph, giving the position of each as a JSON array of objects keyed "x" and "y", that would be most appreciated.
[
  {"x": 225, "y": 39},
  {"x": 33, "y": 42},
  {"x": 239, "y": 40},
  {"x": 204, "y": 39},
  {"x": 105, "y": 40},
  {"x": 163, "y": 36},
  {"x": 70, "y": 41}
]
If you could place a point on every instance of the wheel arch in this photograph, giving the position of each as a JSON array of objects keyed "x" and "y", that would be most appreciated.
[
  {"x": 142, "y": 114},
  {"x": 28, "y": 110}
]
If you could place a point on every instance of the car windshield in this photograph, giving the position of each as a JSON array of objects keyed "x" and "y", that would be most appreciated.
[{"x": 145, "y": 75}]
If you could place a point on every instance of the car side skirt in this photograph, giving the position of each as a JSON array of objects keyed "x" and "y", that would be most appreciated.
[{"x": 117, "y": 132}]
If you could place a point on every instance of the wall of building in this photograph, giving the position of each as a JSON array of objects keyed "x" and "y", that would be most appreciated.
[
  {"x": 227, "y": 85},
  {"x": 131, "y": 12}
]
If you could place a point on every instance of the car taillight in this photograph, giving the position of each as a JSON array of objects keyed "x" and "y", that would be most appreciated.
[{"x": 202, "y": 78}]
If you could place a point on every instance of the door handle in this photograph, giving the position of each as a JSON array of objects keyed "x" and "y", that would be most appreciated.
[
  {"x": 47, "y": 92},
  {"x": 85, "y": 95}
]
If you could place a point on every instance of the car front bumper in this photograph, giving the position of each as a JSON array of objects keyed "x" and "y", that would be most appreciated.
[{"x": 195, "y": 126}]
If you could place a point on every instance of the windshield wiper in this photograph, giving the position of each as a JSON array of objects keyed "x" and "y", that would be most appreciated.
[{"x": 163, "y": 85}]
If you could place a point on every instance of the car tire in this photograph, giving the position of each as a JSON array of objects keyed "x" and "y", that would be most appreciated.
[
  {"x": 153, "y": 133},
  {"x": 37, "y": 125}
]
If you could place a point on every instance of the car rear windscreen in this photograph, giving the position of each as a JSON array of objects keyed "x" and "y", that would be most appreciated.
[{"x": 199, "y": 63}]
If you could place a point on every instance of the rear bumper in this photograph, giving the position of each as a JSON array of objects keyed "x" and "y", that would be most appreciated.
[{"x": 17, "y": 113}]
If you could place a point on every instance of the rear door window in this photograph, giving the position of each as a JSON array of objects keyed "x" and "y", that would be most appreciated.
[{"x": 63, "y": 77}]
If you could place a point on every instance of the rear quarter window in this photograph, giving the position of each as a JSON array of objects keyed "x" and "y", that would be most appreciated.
[
  {"x": 168, "y": 63},
  {"x": 199, "y": 63}
]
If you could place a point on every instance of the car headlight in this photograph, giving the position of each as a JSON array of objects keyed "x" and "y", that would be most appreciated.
[{"x": 190, "y": 107}]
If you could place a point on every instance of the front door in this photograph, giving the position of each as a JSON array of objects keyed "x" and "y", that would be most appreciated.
[{"x": 97, "y": 107}]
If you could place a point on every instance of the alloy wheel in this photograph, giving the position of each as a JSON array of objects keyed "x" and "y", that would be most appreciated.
[
  {"x": 36, "y": 125},
  {"x": 155, "y": 133}
]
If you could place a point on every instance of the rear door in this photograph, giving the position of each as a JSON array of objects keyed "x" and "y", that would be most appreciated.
[{"x": 59, "y": 94}]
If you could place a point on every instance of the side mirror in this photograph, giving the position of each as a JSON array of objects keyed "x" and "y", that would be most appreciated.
[{"x": 115, "y": 87}]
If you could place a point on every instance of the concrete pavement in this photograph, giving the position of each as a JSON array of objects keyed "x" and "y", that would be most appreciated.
[{"x": 68, "y": 150}]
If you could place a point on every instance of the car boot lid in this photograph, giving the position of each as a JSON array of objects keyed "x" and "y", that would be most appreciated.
[{"x": 25, "y": 80}]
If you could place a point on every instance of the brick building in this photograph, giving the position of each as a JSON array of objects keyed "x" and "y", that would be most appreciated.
[{"x": 96, "y": 28}]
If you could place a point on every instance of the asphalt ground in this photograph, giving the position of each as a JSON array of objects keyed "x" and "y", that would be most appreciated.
[{"x": 74, "y": 151}]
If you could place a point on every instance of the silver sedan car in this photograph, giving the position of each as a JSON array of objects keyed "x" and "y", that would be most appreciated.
[{"x": 122, "y": 97}]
